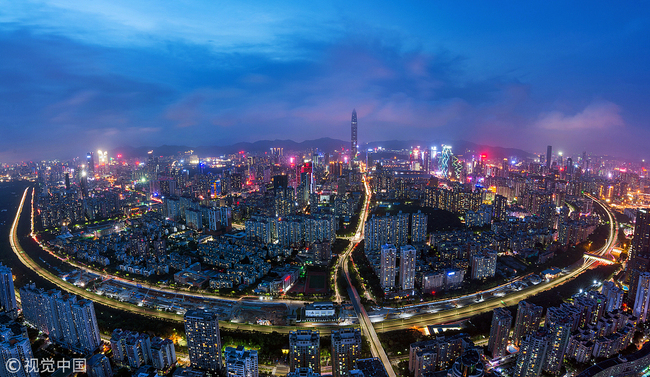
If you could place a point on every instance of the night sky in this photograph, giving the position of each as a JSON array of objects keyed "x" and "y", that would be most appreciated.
[{"x": 79, "y": 75}]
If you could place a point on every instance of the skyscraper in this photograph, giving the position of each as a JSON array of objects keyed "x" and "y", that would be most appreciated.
[
  {"x": 354, "y": 141},
  {"x": 527, "y": 321},
  {"x": 549, "y": 152},
  {"x": 203, "y": 339},
  {"x": 304, "y": 350},
  {"x": 501, "y": 322},
  {"x": 559, "y": 325},
  {"x": 641, "y": 242},
  {"x": 642, "y": 300},
  {"x": 85, "y": 323},
  {"x": 7, "y": 293},
  {"x": 614, "y": 296},
  {"x": 90, "y": 161},
  {"x": 346, "y": 349},
  {"x": 530, "y": 359},
  {"x": 387, "y": 267},
  {"x": 65, "y": 319},
  {"x": 418, "y": 227},
  {"x": 408, "y": 255}
]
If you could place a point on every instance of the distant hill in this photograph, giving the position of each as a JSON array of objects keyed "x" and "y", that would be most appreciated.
[{"x": 323, "y": 144}]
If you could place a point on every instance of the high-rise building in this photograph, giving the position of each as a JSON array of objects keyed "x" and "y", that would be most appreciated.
[
  {"x": 484, "y": 264},
  {"x": 354, "y": 141},
  {"x": 437, "y": 354},
  {"x": 7, "y": 293},
  {"x": 408, "y": 255},
  {"x": 499, "y": 332},
  {"x": 39, "y": 309},
  {"x": 67, "y": 321},
  {"x": 387, "y": 267},
  {"x": 559, "y": 324},
  {"x": 203, "y": 339},
  {"x": 527, "y": 321},
  {"x": 418, "y": 227},
  {"x": 549, "y": 153},
  {"x": 99, "y": 366},
  {"x": 614, "y": 296},
  {"x": 346, "y": 349},
  {"x": 640, "y": 246},
  {"x": 633, "y": 270},
  {"x": 85, "y": 323},
  {"x": 304, "y": 350},
  {"x": 90, "y": 161},
  {"x": 642, "y": 300},
  {"x": 241, "y": 362},
  {"x": 532, "y": 352},
  {"x": 18, "y": 349}
]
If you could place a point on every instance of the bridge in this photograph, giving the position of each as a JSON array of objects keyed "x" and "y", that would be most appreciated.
[{"x": 598, "y": 258}]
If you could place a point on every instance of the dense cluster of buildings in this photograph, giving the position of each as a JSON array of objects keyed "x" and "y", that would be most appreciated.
[{"x": 205, "y": 350}]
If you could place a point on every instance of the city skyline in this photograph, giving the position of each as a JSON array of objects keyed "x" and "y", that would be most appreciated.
[{"x": 156, "y": 76}]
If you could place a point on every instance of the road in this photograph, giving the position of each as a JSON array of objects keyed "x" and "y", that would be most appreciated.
[
  {"x": 45, "y": 274},
  {"x": 366, "y": 326},
  {"x": 145, "y": 285},
  {"x": 513, "y": 298}
]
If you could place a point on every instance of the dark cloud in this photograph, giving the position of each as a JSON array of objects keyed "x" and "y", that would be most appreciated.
[{"x": 61, "y": 96}]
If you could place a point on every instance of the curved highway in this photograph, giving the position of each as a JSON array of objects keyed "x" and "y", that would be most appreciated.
[
  {"x": 451, "y": 315},
  {"x": 29, "y": 263}
]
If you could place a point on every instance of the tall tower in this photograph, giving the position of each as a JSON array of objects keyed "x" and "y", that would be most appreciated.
[
  {"x": 304, "y": 350},
  {"x": 527, "y": 321},
  {"x": 353, "y": 147},
  {"x": 532, "y": 352},
  {"x": 642, "y": 301},
  {"x": 558, "y": 324},
  {"x": 641, "y": 241},
  {"x": 203, "y": 339},
  {"x": 408, "y": 256},
  {"x": 7, "y": 293},
  {"x": 549, "y": 152},
  {"x": 387, "y": 268},
  {"x": 499, "y": 332},
  {"x": 346, "y": 349}
]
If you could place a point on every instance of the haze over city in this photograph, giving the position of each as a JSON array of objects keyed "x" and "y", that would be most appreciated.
[
  {"x": 299, "y": 189},
  {"x": 77, "y": 75}
]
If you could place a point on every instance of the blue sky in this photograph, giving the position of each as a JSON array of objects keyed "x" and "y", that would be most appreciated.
[{"x": 87, "y": 75}]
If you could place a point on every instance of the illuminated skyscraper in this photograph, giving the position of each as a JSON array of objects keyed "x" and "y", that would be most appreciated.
[
  {"x": 527, "y": 321},
  {"x": 304, "y": 350},
  {"x": 641, "y": 242},
  {"x": 90, "y": 161},
  {"x": 408, "y": 255},
  {"x": 499, "y": 332},
  {"x": 559, "y": 324},
  {"x": 642, "y": 300},
  {"x": 353, "y": 147},
  {"x": 346, "y": 349},
  {"x": 203, "y": 339},
  {"x": 7, "y": 293},
  {"x": 387, "y": 267},
  {"x": 532, "y": 352},
  {"x": 549, "y": 152},
  {"x": 445, "y": 161}
]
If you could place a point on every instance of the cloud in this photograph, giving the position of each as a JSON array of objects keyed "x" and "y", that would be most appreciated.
[{"x": 597, "y": 116}]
